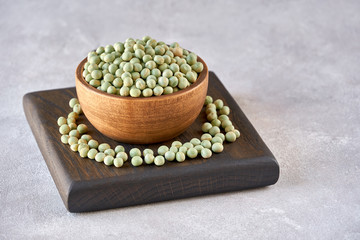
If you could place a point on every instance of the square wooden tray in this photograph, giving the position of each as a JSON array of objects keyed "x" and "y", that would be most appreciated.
[{"x": 86, "y": 185}]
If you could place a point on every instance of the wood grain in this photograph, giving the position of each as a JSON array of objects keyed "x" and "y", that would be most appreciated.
[
  {"x": 86, "y": 185},
  {"x": 142, "y": 120}
]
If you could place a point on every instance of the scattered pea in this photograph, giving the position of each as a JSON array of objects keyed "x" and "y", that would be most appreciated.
[
  {"x": 118, "y": 162},
  {"x": 192, "y": 153},
  {"x": 72, "y": 140},
  {"x": 119, "y": 148},
  {"x": 206, "y": 144},
  {"x": 174, "y": 149},
  {"x": 110, "y": 152},
  {"x": 109, "y": 160},
  {"x": 73, "y": 101},
  {"x": 99, "y": 157},
  {"x": 216, "y": 140},
  {"x": 230, "y": 136},
  {"x": 136, "y": 161},
  {"x": 83, "y": 152},
  {"x": 188, "y": 145},
  {"x": 74, "y": 133},
  {"x": 206, "y": 153},
  {"x": 92, "y": 153},
  {"x": 214, "y": 130},
  {"x": 122, "y": 155},
  {"x": 206, "y": 127},
  {"x": 237, "y": 133},
  {"x": 135, "y": 152},
  {"x": 103, "y": 146},
  {"x": 162, "y": 150},
  {"x": 217, "y": 147},
  {"x": 199, "y": 148},
  {"x": 159, "y": 160},
  {"x": 61, "y": 121},
  {"x": 176, "y": 144},
  {"x": 206, "y": 136},
  {"x": 170, "y": 155},
  {"x": 148, "y": 151},
  {"x": 86, "y": 137},
  {"x": 74, "y": 147},
  {"x": 183, "y": 149},
  {"x": 93, "y": 144},
  {"x": 195, "y": 141},
  {"x": 220, "y": 135},
  {"x": 64, "y": 129},
  {"x": 180, "y": 156},
  {"x": 149, "y": 158},
  {"x": 65, "y": 139}
]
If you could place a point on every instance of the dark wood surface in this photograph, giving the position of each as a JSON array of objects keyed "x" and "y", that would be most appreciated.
[{"x": 86, "y": 185}]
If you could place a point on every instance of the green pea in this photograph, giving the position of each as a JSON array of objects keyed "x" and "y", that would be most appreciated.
[
  {"x": 168, "y": 90},
  {"x": 65, "y": 139},
  {"x": 208, "y": 100},
  {"x": 83, "y": 152},
  {"x": 220, "y": 135},
  {"x": 206, "y": 136},
  {"x": 197, "y": 67},
  {"x": 225, "y": 110},
  {"x": 119, "y": 148},
  {"x": 206, "y": 153},
  {"x": 170, "y": 156},
  {"x": 74, "y": 133},
  {"x": 82, "y": 145},
  {"x": 118, "y": 82},
  {"x": 150, "y": 64},
  {"x": 211, "y": 116},
  {"x": 64, "y": 129},
  {"x": 110, "y": 152},
  {"x": 206, "y": 127},
  {"x": 188, "y": 145},
  {"x": 103, "y": 146},
  {"x": 109, "y": 160},
  {"x": 191, "y": 58},
  {"x": 147, "y": 58},
  {"x": 100, "y": 50},
  {"x": 82, "y": 128},
  {"x": 195, "y": 141},
  {"x": 147, "y": 92},
  {"x": 163, "y": 81},
  {"x": 183, "y": 83},
  {"x": 206, "y": 144},
  {"x": 73, "y": 101},
  {"x": 93, "y": 143},
  {"x": 95, "y": 83},
  {"x": 173, "y": 81},
  {"x": 184, "y": 68},
  {"x": 124, "y": 91},
  {"x": 180, "y": 156},
  {"x": 92, "y": 153},
  {"x": 148, "y": 151},
  {"x": 216, "y": 140},
  {"x": 199, "y": 148},
  {"x": 135, "y": 152},
  {"x": 122, "y": 155},
  {"x": 214, "y": 130},
  {"x": 87, "y": 137},
  {"x": 136, "y": 161},
  {"x": 230, "y": 136},
  {"x": 73, "y": 140},
  {"x": 192, "y": 153},
  {"x": 174, "y": 67},
  {"x": 176, "y": 144},
  {"x": 158, "y": 59},
  {"x": 183, "y": 149},
  {"x": 219, "y": 104},
  {"x": 162, "y": 150},
  {"x": 151, "y": 83},
  {"x": 237, "y": 133},
  {"x": 74, "y": 147},
  {"x": 158, "y": 90},
  {"x": 99, "y": 157},
  {"x": 135, "y": 92},
  {"x": 159, "y": 160},
  {"x": 149, "y": 158},
  {"x": 216, "y": 122},
  {"x": 140, "y": 84},
  {"x": 118, "y": 162},
  {"x": 156, "y": 72},
  {"x": 96, "y": 74},
  {"x": 82, "y": 141},
  {"x": 226, "y": 123},
  {"x": 217, "y": 147},
  {"x": 139, "y": 53},
  {"x": 61, "y": 121},
  {"x": 222, "y": 118},
  {"x": 229, "y": 128},
  {"x": 191, "y": 77},
  {"x": 174, "y": 149},
  {"x": 126, "y": 56},
  {"x": 71, "y": 120},
  {"x": 211, "y": 110}
]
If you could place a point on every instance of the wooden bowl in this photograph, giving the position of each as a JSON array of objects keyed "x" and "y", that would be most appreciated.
[{"x": 141, "y": 120}]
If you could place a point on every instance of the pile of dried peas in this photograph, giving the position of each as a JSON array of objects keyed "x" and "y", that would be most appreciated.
[{"x": 211, "y": 141}]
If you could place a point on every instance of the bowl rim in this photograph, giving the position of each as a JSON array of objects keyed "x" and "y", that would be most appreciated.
[{"x": 79, "y": 78}]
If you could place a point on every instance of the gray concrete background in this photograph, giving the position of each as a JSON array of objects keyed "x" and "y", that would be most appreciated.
[{"x": 292, "y": 66}]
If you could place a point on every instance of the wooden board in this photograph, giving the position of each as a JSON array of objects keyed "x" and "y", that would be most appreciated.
[{"x": 86, "y": 185}]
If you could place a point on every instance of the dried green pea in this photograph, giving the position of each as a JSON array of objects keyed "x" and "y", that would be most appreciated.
[
  {"x": 176, "y": 144},
  {"x": 64, "y": 129},
  {"x": 73, "y": 115},
  {"x": 192, "y": 153},
  {"x": 206, "y": 136},
  {"x": 122, "y": 155},
  {"x": 61, "y": 121},
  {"x": 183, "y": 149},
  {"x": 148, "y": 151},
  {"x": 225, "y": 110},
  {"x": 87, "y": 137},
  {"x": 74, "y": 133},
  {"x": 211, "y": 116},
  {"x": 74, "y": 147},
  {"x": 219, "y": 104},
  {"x": 216, "y": 122},
  {"x": 149, "y": 158},
  {"x": 226, "y": 123},
  {"x": 159, "y": 160},
  {"x": 65, "y": 139},
  {"x": 82, "y": 128},
  {"x": 223, "y": 118},
  {"x": 135, "y": 152},
  {"x": 110, "y": 152},
  {"x": 136, "y": 161},
  {"x": 92, "y": 153},
  {"x": 220, "y": 135},
  {"x": 77, "y": 108},
  {"x": 93, "y": 143},
  {"x": 214, "y": 130},
  {"x": 83, "y": 145},
  {"x": 230, "y": 136},
  {"x": 72, "y": 126},
  {"x": 174, "y": 149},
  {"x": 229, "y": 128},
  {"x": 216, "y": 140},
  {"x": 208, "y": 100},
  {"x": 206, "y": 127},
  {"x": 82, "y": 141},
  {"x": 170, "y": 155},
  {"x": 73, "y": 140},
  {"x": 83, "y": 152},
  {"x": 206, "y": 153},
  {"x": 135, "y": 92},
  {"x": 195, "y": 141},
  {"x": 99, "y": 157},
  {"x": 188, "y": 145},
  {"x": 118, "y": 162},
  {"x": 119, "y": 148},
  {"x": 180, "y": 156},
  {"x": 217, "y": 147},
  {"x": 206, "y": 144},
  {"x": 71, "y": 120},
  {"x": 73, "y": 101},
  {"x": 103, "y": 146},
  {"x": 162, "y": 150},
  {"x": 109, "y": 160},
  {"x": 199, "y": 148}
]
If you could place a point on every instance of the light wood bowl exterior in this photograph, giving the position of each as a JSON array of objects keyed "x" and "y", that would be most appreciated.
[{"x": 142, "y": 120}]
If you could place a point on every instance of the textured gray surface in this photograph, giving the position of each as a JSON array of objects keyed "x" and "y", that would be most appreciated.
[{"x": 292, "y": 66}]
